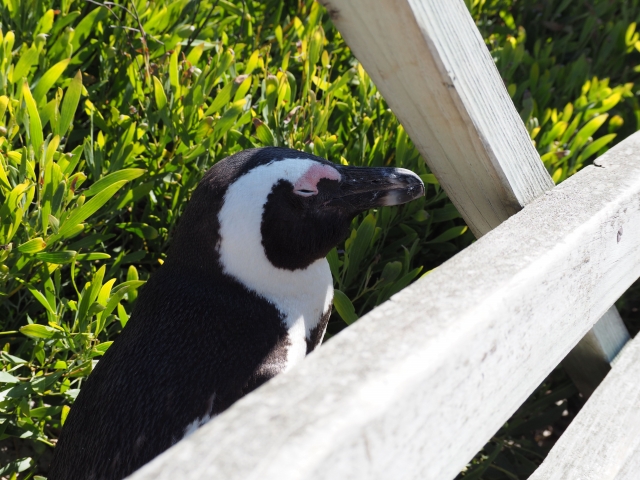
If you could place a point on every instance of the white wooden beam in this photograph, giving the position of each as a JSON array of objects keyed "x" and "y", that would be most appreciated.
[
  {"x": 590, "y": 361},
  {"x": 437, "y": 75},
  {"x": 603, "y": 441},
  {"x": 415, "y": 388},
  {"x": 430, "y": 63}
]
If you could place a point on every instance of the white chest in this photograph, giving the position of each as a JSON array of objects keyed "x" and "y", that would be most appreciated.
[{"x": 302, "y": 305}]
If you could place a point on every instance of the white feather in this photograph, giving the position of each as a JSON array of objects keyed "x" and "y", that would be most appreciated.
[
  {"x": 198, "y": 422},
  {"x": 195, "y": 425}
]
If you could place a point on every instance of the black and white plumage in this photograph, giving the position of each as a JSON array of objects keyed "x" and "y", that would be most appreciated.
[{"x": 245, "y": 294}]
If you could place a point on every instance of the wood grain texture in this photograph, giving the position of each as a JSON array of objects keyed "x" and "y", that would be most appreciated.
[
  {"x": 415, "y": 388},
  {"x": 603, "y": 441},
  {"x": 590, "y": 361},
  {"x": 430, "y": 63}
]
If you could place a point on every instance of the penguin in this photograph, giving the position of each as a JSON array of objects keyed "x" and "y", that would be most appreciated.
[{"x": 244, "y": 294}]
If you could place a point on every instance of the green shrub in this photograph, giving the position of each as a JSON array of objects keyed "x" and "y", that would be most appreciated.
[{"x": 550, "y": 56}]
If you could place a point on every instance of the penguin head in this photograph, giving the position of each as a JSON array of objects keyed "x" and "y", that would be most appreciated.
[{"x": 287, "y": 207}]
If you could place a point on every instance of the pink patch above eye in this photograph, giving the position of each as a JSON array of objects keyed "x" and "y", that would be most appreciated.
[{"x": 308, "y": 183}]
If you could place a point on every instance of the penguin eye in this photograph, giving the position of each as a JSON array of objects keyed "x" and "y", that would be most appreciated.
[{"x": 305, "y": 193}]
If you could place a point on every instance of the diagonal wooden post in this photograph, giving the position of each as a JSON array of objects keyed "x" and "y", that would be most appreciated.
[{"x": 431, "y": 64}]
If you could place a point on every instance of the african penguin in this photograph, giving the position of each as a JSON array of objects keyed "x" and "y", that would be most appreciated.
[{"x": 244, "y": 294}]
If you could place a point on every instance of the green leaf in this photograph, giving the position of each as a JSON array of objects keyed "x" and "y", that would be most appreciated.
[
  {"x": 70, "y": 104},
  {"x": 4, "y": 180},
  {"x": 48, "y": 79},
  {"x": 360, "y": 246},
  {"x": 557, "y": 131},
  {"x": 399, "y": 285},
  {"x": 334, "y": 262},
  {"x": 46, "y": 22},
  {"x": 27, "y": 60},
  {"x": 83, "y": 306},
  {"x": 122, "y": 315},
  {"x": 38, "y": 331},
  {"x": 86, "y": 26},
  {"x": 231, "y": 8},
  {"x": 344, "y": 307},
  {"x": 342, "y": 81},
  {"x": 429, "y": 178},
  {"x": 448, "y": 212},
  {"x": 128, "y": 284},
  {"x": 113, "y": 302},
  {"x": 228, "y": 118},
  {"x": 450, "y": 234},
  {"x": 32, "y": 246},
  {"x": 19, "y": 465},
  {"x": 64, "y": 414},
  {"x": 12, "y": 358},
  {"x": 195, "y": 54},
  {"x": 43, "y": 383},
  {"x": 126, "y": 174},
  {"x": 252, "y": 63},
  {"x": 49, "y": 114},
  {"x": 595, "y": 147},
  {"x": 85, "y": 257},
  {"x": 35, "y": 126},
  {"x": 43, "y": 300},
  {"x": 315, "y": 46},
  {"x": 222, "y": 98},
  {"x": 18, "y": 391},
  {"x": 420, "y": 216},
  {"x": 100, "y": 349},
  {"x": 158, "y": 91},
  {"x": 225, "y": 62},
  {"x": 89, "y": 208},
  {"x": 587, "y": 131},
  {"x": 6, "y": 377},
  {"x": 105, "y": 292},
  {"x": 58, "y": 258},
  {"x": 144, "y": 231},
  {"x": 174, "y": 76},
  {"x": 264, "y": 133},
  {"x": 390, "y": 272},
  {"x": 271, "y": 91},
  {"x": 96, "y": 284},
  {"x": 42, "y": 412}
]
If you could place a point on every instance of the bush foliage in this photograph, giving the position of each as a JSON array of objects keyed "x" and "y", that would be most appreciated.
[{"x": 111, "y": 113}]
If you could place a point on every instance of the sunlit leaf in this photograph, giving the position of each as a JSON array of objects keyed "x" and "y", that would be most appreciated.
[{"x": 344, "y": 307}]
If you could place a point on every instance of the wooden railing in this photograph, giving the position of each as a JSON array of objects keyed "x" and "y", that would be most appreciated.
[{"x": 416, "y": 387}]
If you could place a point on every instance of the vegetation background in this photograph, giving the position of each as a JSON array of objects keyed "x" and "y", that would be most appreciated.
[{"x": 111, "y": 112}]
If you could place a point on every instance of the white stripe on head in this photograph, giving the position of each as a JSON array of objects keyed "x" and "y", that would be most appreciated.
[{"x": 303, "y": 295}]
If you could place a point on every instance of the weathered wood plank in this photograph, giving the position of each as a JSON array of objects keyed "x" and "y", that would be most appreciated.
[
  {"x": 603, "y": 441},
  {"x": 436, "y": 73},
  {"x": 416, "y": 387},
  {"x": 590, "y": 361},
  {"x": 434, "y": 70}
]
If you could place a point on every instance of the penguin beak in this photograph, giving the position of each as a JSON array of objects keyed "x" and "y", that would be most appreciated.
[{"x": 362, "y": 188}]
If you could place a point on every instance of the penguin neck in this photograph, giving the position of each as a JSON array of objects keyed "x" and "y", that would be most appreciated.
[{"x": 302, "y": 295}]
